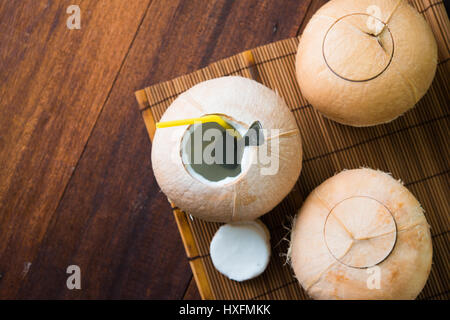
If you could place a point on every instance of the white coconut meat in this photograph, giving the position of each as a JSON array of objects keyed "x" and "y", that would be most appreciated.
[
  {"x": 365, "y": 62},
  {"x": 241, "y": 250},
  {"x": 361, "y": 235},
  {"x": 254, "y": 189}
]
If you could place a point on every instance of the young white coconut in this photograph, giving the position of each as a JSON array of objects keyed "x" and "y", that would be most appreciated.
[
  {"x": 366, "y": 62},
  {"x": 241, "y": 250},
  {"x": 361, "y": 235},
  {"x": 249, "y": 191}
]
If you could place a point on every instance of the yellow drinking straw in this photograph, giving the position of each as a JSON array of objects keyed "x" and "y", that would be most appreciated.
[{"x": 204, "y": 119}]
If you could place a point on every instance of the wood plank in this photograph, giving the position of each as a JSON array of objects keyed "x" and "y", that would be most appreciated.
[
  {"x": 192, "y": 291},
  {"x": 113, "y": 221},
  {"x": 53, "y": 85}
]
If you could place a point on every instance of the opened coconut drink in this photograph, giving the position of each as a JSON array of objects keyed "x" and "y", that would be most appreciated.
[{"x": 218, "y": 191}]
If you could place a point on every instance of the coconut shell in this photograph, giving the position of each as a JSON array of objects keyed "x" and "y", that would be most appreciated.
[
  {"x": 355, "y": 224},
  {"x": 365, "y": 62},
  {"x": 252, "y": 193}
]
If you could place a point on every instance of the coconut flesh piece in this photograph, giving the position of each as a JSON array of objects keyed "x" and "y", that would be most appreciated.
[
  {"x": 365, "y": 62},
  {"x": 361, "y": 235},
  {"x": 241, "y": 250}
]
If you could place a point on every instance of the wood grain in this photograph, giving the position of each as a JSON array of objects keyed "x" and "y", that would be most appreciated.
[
  {"x": 54, "y": 83},
  {"x": 70, "y": 130},
  {"x": 192, "y": 291}
]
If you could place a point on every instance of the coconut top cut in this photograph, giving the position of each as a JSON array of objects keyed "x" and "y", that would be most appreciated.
[
  {"x": 365, "y": 62},
  {"x": 361, "y": 235},
  {"x": 241, "y": 250},
  {"x": 260, "y": 185}
]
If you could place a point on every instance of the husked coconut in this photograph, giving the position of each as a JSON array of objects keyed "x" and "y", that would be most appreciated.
[
  {"x": 361, "y": 235},
  {"x": 365, "y": 62},
  {"x": 213, "y": 192},
  {"x": 241, "y": 250}
]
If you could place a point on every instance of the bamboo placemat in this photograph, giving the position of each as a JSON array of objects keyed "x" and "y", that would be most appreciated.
[{"x": 414, "y": 148}]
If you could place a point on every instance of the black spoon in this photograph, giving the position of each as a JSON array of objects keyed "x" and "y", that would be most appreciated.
[{"x": 253, "y": 137}]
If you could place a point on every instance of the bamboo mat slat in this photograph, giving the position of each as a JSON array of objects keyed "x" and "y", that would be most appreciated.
[{"x": 414, "y": 148}]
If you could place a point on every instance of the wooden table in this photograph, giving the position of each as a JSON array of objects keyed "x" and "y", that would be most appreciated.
[{"x": 76, "y": 182}]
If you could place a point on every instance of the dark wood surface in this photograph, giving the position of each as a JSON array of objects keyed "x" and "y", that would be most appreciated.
[{"x": 76, "y": 183}]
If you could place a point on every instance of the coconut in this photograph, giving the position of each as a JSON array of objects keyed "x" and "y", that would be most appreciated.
[
  {"x": 361, "y": 235},
  {"x": 241, "y": 250},
  {"x": 213, "y": 192},
  {"x": 365, "y": 62}
]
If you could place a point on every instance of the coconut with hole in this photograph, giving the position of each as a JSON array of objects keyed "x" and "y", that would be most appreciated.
[
  {"x": 213, "y": 191},
  {"x": 361, "y": 235},
  {"x": 365, "y": 62}
]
